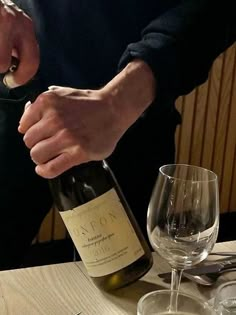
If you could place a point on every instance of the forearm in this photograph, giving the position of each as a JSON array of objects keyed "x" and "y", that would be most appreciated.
[
  {"x": 131, "y": 92},
  {"x": 181, "y": 45}
]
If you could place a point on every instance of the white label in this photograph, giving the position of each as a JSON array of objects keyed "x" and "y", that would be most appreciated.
[{"x": 103, "y": 235}]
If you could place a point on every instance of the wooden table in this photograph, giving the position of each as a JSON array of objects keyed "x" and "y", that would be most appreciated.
[{"x": 65, "y": 289}]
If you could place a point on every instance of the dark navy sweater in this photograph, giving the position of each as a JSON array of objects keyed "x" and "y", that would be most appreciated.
[{"x": 84, "y": 42}]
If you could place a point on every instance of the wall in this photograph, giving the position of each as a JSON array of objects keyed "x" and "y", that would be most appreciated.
[{"x": 207, "y": 136}]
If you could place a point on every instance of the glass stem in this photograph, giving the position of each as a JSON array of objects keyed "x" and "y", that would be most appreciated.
[
  {"x": 175, "y": 284},
  {"x": 176, "y": 276}
]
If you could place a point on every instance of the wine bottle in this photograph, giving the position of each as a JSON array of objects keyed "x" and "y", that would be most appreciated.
[{"x": 101, "y": 225}]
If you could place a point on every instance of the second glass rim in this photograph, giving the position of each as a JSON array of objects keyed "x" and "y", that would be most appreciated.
[
  {"x": 214, "y": 179},
  {"x": 164, "y": 291},
  {"x": 224, "y": 285}
]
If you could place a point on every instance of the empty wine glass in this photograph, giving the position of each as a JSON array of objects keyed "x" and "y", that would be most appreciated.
[{"x": 183, "y": 218}]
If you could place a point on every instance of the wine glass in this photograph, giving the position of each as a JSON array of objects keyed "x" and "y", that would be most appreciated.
[{"x": 183, "y": 218}]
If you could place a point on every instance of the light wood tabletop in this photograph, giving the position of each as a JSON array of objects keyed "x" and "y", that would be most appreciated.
[{"x": 65, "y": 289}]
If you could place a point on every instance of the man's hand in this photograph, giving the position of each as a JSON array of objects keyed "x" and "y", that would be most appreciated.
[
  {"x": 17, "y": 38},
  {"x": 66, "y": 127}
]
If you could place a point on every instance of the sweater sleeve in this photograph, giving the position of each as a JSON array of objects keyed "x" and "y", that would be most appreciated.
[{"x": 181, "y": 45}]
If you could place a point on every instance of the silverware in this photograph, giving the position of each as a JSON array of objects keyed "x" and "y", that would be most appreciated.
[
  {"x": 210, "y": 267},
  {"x": 207, "y": 274},
  {"x": 232, "y": 254},
  {"x": 208, "y": 279}
]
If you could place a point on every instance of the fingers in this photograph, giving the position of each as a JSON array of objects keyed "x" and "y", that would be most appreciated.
[
  {"x": 30, "y": 117},
  {"x": 18, "y": 35},
  {"x": 27, "y": 104},
  {"x": 64, "y": 91},
  {"x": 28, "y": 61},
  {"x": 6, "y": 19},
  {"x": 33, "y": 112},
  {"x": 39, "y": 132},
  {"x": 55, "y": 167},
  {"x": 59, "y": 164},
  {"x": 56, "y": 154},
  {"x": 54, "y": 87},
  {"x": 26, "y": 70},
  {"x": 47, "y": 149}
]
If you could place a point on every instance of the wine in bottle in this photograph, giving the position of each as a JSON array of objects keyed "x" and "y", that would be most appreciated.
[{"x": 101, "y": 225}]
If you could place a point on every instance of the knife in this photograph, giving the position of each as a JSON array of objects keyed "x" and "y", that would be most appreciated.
[{"x": 204, "y": 269}]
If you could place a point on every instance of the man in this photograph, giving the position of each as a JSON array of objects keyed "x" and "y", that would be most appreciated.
[{"x": 125, "y": 64}]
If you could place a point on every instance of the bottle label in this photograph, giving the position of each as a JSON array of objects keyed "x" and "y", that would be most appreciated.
[{"x": 103, "y": 234}]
